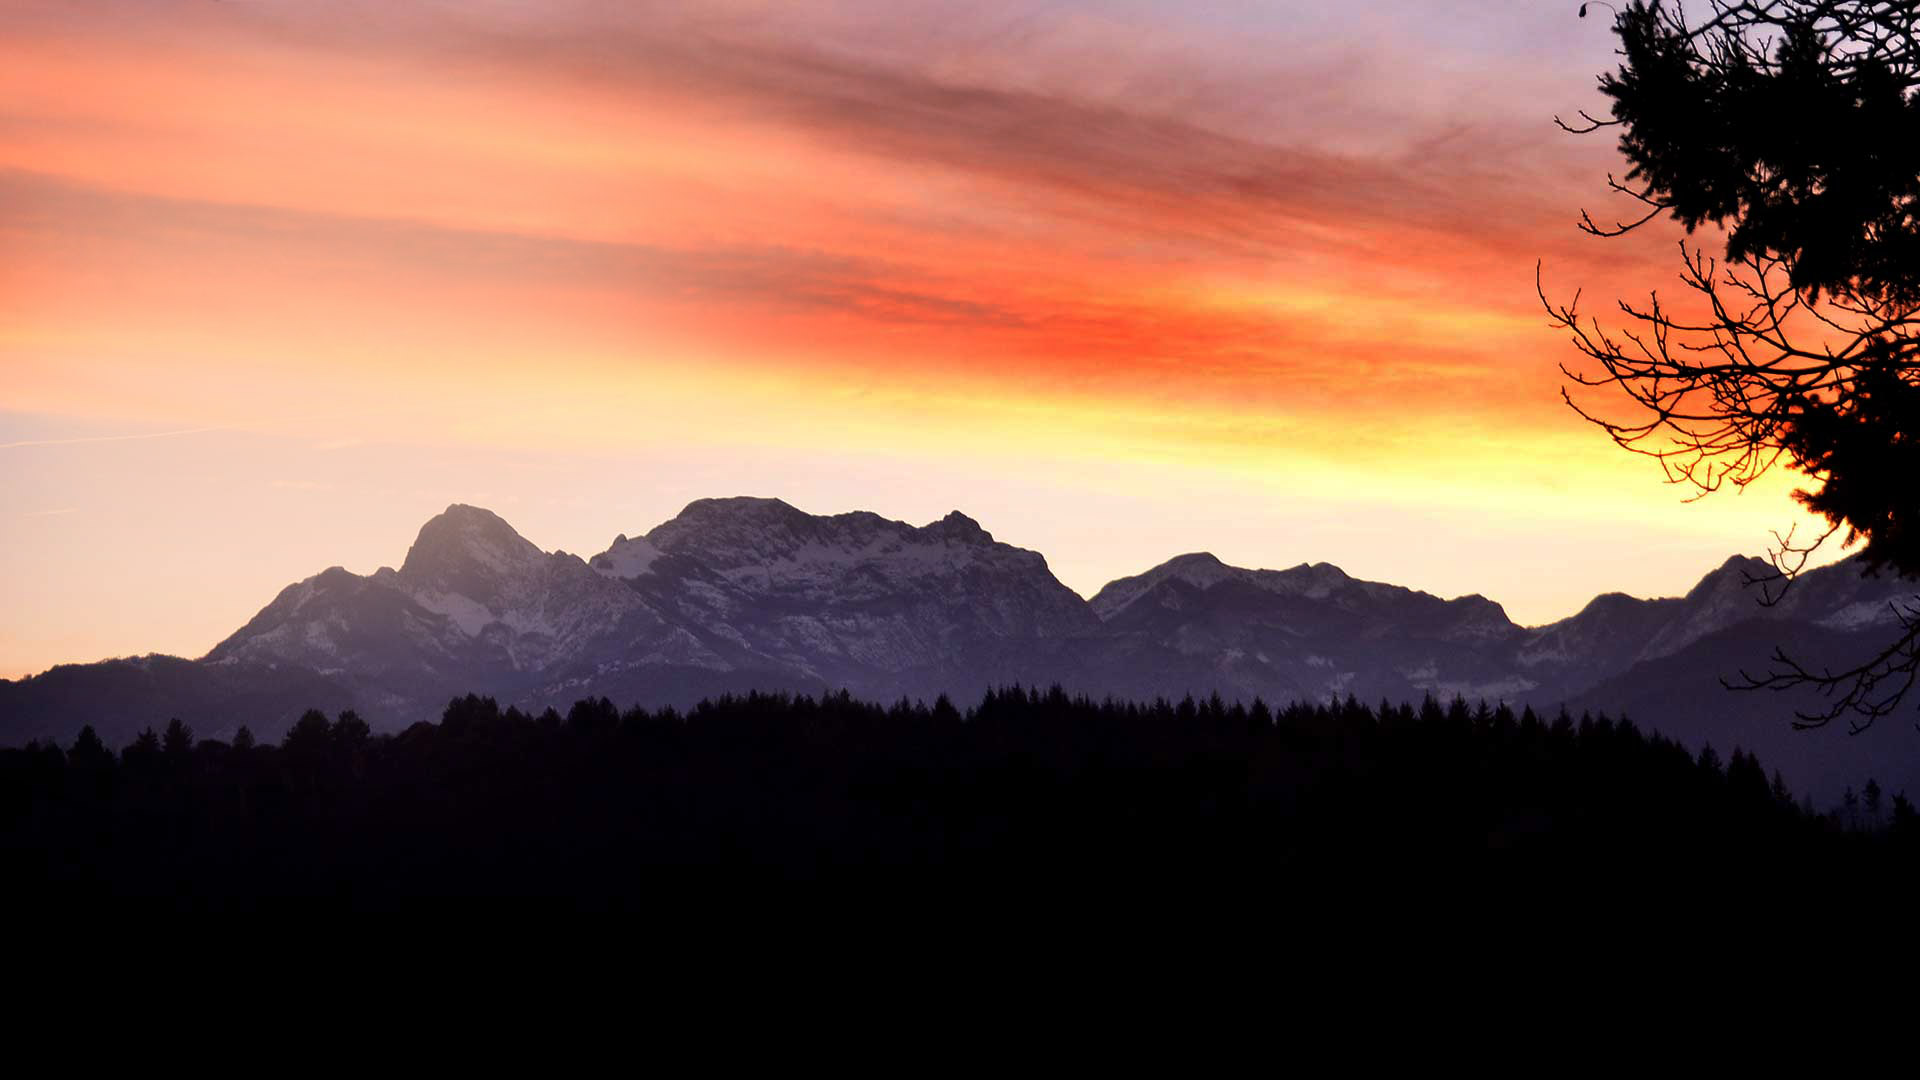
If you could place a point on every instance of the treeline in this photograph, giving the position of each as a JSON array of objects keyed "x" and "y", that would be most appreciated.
[{"x": 1028, "y": 788}]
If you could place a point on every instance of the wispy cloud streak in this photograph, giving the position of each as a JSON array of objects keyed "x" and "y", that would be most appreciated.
[{"x": 132, "y": 437}]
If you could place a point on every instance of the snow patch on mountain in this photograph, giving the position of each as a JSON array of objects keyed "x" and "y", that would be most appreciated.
[
  {"x": 626, "y": 558},
  {"x": 469, "y": 615},
  {"x": 1199, "y": 569},
  {"x": 1864, "y": 614},
  {"x": 1727, "y": 596}
]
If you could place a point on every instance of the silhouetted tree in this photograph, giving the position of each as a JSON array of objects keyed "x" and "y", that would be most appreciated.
[
  {"x": 144, "y": 751},
  {"x": 89, "y": 752},
  {"x": 1793, "y": 128},
  {"x": 1905, "y": 826},
  {"x": 350, "y": 733},
  {"x": 177, "y": 742},
  {"x": 310, "y": 737},
  {"x": 1709, "y": 761},
  {"x": 1746, "y": 780},
  {"x": 593, "y": 716},
  {"x": 468, "y": 714},
  {"x": 1782, "y": 795}
]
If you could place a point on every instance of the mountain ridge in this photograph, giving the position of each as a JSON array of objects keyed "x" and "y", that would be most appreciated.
[{"x": 752, "y": 593}]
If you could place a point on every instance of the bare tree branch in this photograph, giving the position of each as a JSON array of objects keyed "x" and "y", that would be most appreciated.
[{"x": 1800, "y": 343}]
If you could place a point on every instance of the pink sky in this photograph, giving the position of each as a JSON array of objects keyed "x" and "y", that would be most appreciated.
[{"x": 279, "y": 281}]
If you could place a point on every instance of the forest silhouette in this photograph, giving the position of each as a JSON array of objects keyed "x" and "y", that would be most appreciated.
[{"x": 1027, "y": 789}]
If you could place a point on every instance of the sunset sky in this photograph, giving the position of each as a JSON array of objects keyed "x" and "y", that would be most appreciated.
[{"x": 280, "y": 280}]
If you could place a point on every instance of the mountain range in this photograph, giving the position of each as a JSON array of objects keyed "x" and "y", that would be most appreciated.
[{"x": 749, "y": 593}]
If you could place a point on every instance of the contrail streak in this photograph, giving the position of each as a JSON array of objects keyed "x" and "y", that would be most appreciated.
[{"x": 127, "y": 438}]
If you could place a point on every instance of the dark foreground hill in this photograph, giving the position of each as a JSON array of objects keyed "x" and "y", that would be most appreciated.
[
  {"x": 1023, "y": 794},
  {"x": 745, "y": 594}
]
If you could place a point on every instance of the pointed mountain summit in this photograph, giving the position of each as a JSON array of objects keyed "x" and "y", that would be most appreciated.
[
  {"x": 468, "y": 550},
  {"x": 959, "y": 528},
  {"x": 474, "y": 607},
  {"x": 1199, "y": 569},
  {"x": 1725, "y": 596}
]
